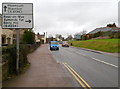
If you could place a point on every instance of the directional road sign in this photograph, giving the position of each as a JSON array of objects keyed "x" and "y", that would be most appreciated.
[{"x": 17, "y": 15}]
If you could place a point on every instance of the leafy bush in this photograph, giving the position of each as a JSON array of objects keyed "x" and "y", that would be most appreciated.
[
  {"x": 114, "y": 35},
  {"x": 9, "y": 57},
  {"x": 28, "y": 37},
  {"x": 97, "y": 34}
]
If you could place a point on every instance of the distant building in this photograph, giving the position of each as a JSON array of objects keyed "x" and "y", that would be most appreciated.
[
  {"x": 7, "y": 36},
  {"x": 105, "y": 29},
  {"x": 42, "y": 38},
  {"x": 77, "y": 36},
  {"x": 37, "y": 40},
  {"x": 0, "y": 32}
]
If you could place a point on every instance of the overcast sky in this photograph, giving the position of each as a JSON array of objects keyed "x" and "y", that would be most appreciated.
[{"x": 71, "y": 16}]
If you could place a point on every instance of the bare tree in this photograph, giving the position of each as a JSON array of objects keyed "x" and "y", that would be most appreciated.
[
  {"x": 50, "y": 36},
  {"x": 58, "y": 36},
  {"x": 69, "y": 37},
  {"x": 83, "y": 32}
]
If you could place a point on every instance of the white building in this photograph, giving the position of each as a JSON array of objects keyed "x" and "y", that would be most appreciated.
[{"x": 37, "y": 40}]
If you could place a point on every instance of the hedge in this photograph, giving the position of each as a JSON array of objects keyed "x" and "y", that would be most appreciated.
[{"x": 9, "y": 58}]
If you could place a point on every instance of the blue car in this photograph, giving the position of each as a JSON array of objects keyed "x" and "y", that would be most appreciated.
[{"x": 54, "y": 45}]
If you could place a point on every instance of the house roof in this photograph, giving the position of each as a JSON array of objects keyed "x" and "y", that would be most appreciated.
[{"x": 105, "y": 29}]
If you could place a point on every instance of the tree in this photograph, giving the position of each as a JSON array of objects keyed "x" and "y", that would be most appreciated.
[
  {"x": 98, "y": 34},
  {"x": 83, "y": 32},
  {"x": 69, "y": 37},
  {"x": 50, "y": 36},
  {"x": 29, "y": 37},
  {"x": 111, "y": 25},
  {"x": 58, "y": 36}
]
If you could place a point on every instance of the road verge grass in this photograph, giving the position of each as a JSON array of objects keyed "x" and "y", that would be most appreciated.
[{"x": 105, "y": 45}]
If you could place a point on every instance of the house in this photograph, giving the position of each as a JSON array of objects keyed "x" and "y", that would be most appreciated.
[
  {"x": 0, "y": 32},
  {"x": 105, "y": 29},
  {"x": 37, "y": 40},
  {"x": 42, "y": 38},
  {"x": 77, "y": 36},
  {"x": 6, "y": 35},
  {"x": 15, "y": 34}
]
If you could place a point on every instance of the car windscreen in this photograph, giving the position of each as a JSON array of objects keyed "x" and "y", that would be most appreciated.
[{"x": 54, "y": 42}]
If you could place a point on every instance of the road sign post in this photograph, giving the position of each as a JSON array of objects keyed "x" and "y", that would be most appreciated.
[
  {"x": 17, "y": 48},
  {"x": 17, "y": 16}
]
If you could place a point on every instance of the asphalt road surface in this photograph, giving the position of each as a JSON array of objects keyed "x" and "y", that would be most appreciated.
[{"x": 96, "y": 69}]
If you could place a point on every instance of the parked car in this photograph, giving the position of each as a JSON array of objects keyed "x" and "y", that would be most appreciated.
[
  {"x": 65, "y": 44},
  {"x": 54, "y": 45}
]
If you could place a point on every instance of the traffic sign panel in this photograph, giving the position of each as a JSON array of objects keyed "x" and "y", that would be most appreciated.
[
  {"x": 17, "y": 8},
  {"x": 17, "y": 21},
  {"x": 17, "y": 15}
]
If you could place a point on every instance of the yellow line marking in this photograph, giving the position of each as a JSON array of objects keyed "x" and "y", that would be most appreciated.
[
  {"x": 79, "y": 76},
  {"x": 75, "y": 77}
]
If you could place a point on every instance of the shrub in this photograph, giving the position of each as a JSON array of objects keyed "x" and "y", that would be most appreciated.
[
  {"x": 9, "y": 57},
  {"x": 114, "y": 35}
]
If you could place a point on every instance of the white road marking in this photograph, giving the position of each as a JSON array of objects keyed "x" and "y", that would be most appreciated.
[
  {"x": 98, "y": 60},
  {"x": 81, "y": 54},
  {"x": 104, "y": 62}
]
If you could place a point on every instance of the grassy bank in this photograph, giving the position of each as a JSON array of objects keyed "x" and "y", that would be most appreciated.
[{"x": 106, "y": 45}]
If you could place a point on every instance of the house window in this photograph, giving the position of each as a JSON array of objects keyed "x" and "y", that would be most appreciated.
[
  {"x": 3, "y": 39},
  {"x": 8, "y": 40}
]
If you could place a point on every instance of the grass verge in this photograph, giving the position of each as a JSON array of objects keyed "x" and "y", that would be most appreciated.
[
  {"x": 26, "y": 67},
  {"x": 105, "y": 45}
]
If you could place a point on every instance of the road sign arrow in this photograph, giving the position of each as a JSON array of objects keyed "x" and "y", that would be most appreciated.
[
  {"x": 5, "y": 8},
  {"x": 28, "y": 21}
]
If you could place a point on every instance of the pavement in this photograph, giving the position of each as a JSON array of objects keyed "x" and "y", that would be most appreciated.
[{"x": 43, "y": 72}]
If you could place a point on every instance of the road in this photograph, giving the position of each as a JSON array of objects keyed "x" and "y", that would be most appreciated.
[
  {"x": 96, "y": 69},
  {"x": 68, "y": 67}
]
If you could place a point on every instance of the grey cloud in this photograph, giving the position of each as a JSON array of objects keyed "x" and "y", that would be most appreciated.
[{"x": 71, "y": 16}]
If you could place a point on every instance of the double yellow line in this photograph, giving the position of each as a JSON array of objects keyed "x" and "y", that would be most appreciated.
[{"x": 80, "y": 80}]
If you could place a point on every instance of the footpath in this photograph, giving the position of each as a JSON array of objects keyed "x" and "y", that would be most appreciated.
[{"x": 43, "y": 72}]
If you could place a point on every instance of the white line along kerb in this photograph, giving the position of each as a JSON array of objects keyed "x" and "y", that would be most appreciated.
[{"x": 105, "y": 62}]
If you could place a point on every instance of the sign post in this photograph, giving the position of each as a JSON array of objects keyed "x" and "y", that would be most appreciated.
[
  {"x": 17, "y": 47},
  {"x": 17, "y": 16}
]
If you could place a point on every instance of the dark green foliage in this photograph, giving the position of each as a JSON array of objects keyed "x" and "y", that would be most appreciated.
[
  {"x": 98, "y": 34},
  {"x": 111, "y": 25},
  {"x": 28, "y": 37},
  {"x": 114, "y": 35},
  {"x": 10, "y": 53},
  {"x": 9, "y": 58},
  {"x": 84, "y": 37}
]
